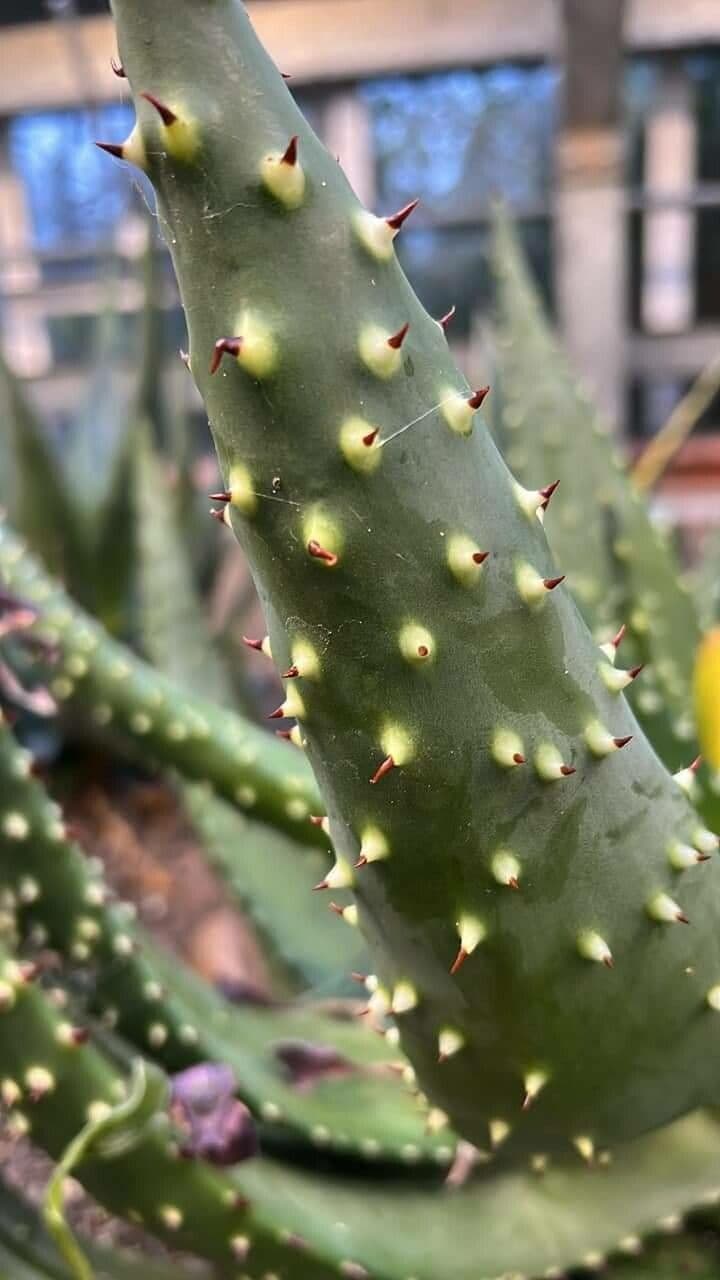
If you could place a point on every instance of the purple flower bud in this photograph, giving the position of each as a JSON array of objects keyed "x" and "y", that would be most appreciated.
[{"x": 217, "y": 1127}]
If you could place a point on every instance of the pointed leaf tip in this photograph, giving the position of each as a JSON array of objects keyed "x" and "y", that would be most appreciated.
[
  {"x": 387, "y": 764},
  {"x": 113, "y": 149},
  {"x": 321, "y": 553},
  {"x": 224, "y": 346},
  {"x": 547, "y": 493},
  {"x": 477, "y": 397},
  {"x": 398, "y": 338},
  {"x": 290, "y": 154},
  {"x": 396, "y": 220},
  {"x": 167, "y": 115}
]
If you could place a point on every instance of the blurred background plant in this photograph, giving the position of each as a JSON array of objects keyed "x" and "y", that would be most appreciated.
[{"x": 607, "y": 161}]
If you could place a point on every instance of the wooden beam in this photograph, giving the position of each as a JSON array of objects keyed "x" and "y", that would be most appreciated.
[
  {"x": 313, "y": 40},
  {"x": 317, "y": 40},
  {"x": 670, "y": 24},
  {"x": 681, "y": 355}
]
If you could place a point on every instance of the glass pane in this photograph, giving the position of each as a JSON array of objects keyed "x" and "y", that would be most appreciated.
[
  {"x": 461, "y": 137},
  {"x": 448, "y": 266},
  {"x": 652, "y": 400},
  {"x": 707, "y": 264},
  {"x": 704, "y": 70},
  {"x": 35, "y": 10},
  {"x": 75, "y": 195},
  {"x": 639, "y": 91}
]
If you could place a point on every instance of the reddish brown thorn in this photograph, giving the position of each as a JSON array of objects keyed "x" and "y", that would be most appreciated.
[
  {"x": 185, "y": 357},
  {"x": 322, "y": 884},
  {"x": 224, "y": 496},
  {"x": 423, "y": 651},
  {"x": 459, "y": 961},
  {"x": 398, "y": 338},
  {"x": 567, "y": 770},
  {"x": 290, "y": 674},
  {"x": 316, "y": 819},
  {"x": 80, "y": 1035},
  {"x": 218, "y": 513},
  {"x": 290, "y": 155},
  {"x": 695, "y": 764},
  {"x": 618, "y": 639},
  {"x": 527, "y": 1101},
  {"x": 608, "y": 962},
  {"x": 518, "y": 758},
  {"x": 371, "y": 437},
  {"x": 283, "y": 733},
  {"x": 224, "y": 346},
  {"x": 396, "y": 220},
  {"x": 634, "y": 672},
  {"x": 118, "y": 69},
  {"x": 444, "y": 321},
  {"x": 278, "y": 713},
  {"x": 682, "y": 918},
  {"x": 321, "y": 553},
  {"x": 361, "y": 862},
  {"x": 113, "y": 149},
  {"x": 167, "y": 116},
  {"x": 337, "y": 909},
  {"x": 253, "y": 644},
  {"x": 704, "y": 857},
  {"x": 479, "y": 557},
  {"x": 513, "y": 883},
  {"x": 358, "y": 977},
  {"x": 29, "y": 970},
  {"x": 477, "y": 397},
  {"x": 285, "y": 75},
  {"x": 548, "y": 492},
  {"x": 551, "y": 583},
  {"x": 622, "y": 742},
  {"x": 387, "y": 764}
]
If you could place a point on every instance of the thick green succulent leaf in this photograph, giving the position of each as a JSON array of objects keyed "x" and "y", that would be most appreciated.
[
  {"x": 104, "y": 682},
  {"x": 32, "y": 486},
  {"x": 693, "y": 1255},
  {"x": 412, "y": 587},
  {"x": 357, "y": 1103},
  {"x": 706, "y": 581},
  {"x": 269, "y": 874},
  {"x": 619, "y": 566},
  {"x": 173, "y": 630},
  {"x": 309, "y": 1225},
  {"x": 272, "y": 878},
  {"x": 58, "y": 1080}
]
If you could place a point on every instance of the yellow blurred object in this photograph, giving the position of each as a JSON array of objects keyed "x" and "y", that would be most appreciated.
[{"x": 707, "y": 696}]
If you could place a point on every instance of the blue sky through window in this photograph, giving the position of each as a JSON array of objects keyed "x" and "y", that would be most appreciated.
[{"x": 75, "y": 194}]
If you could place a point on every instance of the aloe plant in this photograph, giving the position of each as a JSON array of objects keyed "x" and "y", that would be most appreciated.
[{"x": 537, "y": 893}]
